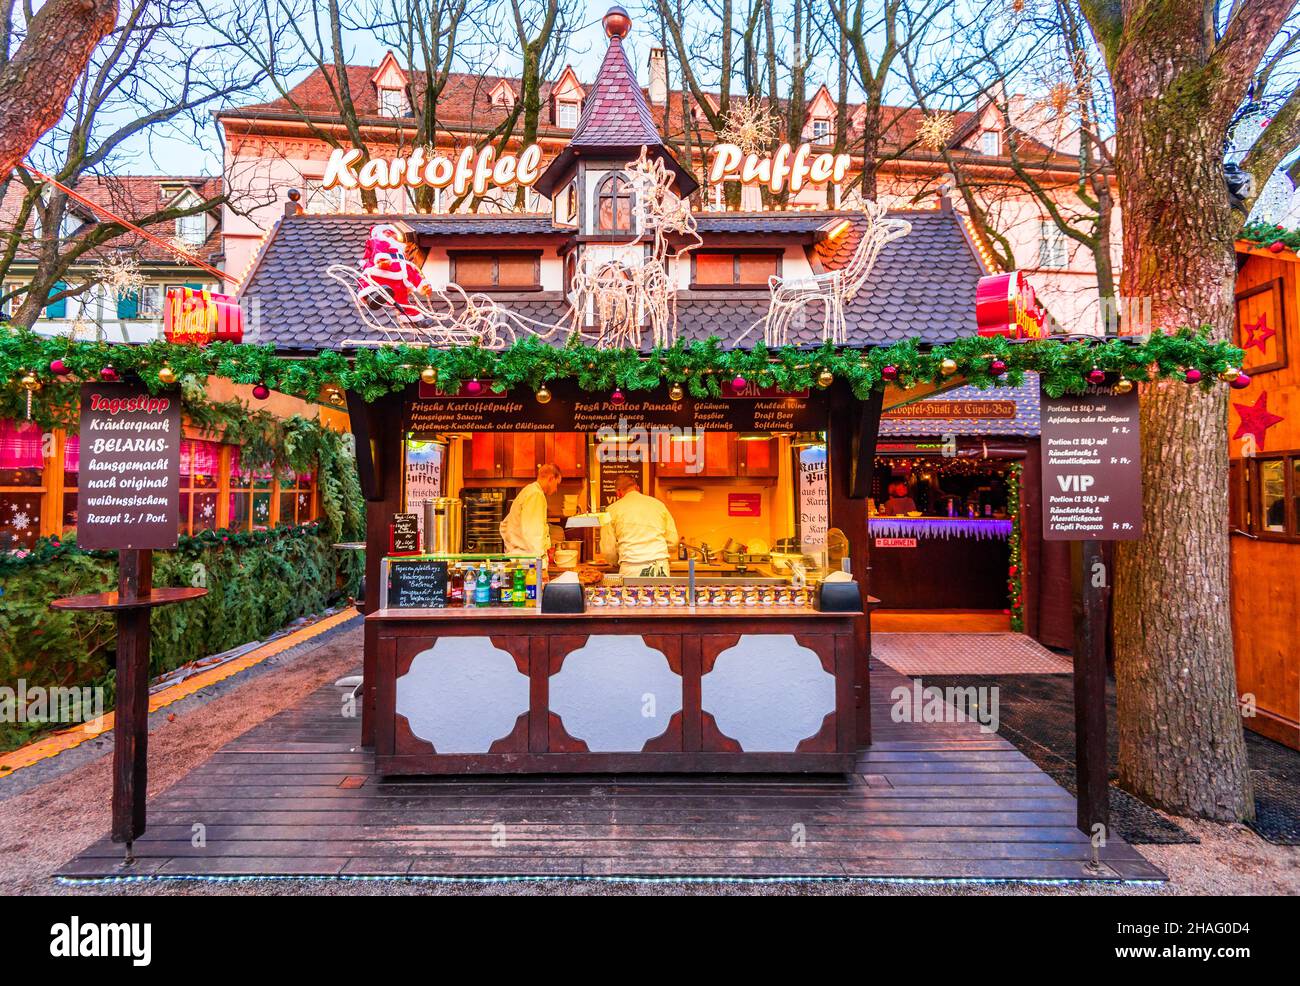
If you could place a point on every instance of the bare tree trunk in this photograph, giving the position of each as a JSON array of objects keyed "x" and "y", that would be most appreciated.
[
  {"x": 1180, "y": 729},
  {"x": 37, "y": 79}
]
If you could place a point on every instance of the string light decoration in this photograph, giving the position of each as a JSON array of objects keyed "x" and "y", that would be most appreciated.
[
  {"x": 935, "y": 130},
  {"x": 120, "y": 273},
  {"x": 832, "y": 290},
  {"x": 749, "y": 126},
  {"x": 623, "y": 297}
]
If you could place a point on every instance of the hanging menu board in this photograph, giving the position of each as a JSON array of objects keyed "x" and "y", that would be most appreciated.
[
  {"x": 1092, "y": 468},
  {"x": 813, "y": 493},
  {"x": 759, "y": 411},
  {"x": 404, "y": 534},
  {"x": 417, "y": 584},
  {"x": 129, "y": 492}
]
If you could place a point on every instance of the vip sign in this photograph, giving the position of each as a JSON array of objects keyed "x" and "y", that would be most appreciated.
[
  {"x": 797, "y": 167},
  {"x": 345, "y": 169}
]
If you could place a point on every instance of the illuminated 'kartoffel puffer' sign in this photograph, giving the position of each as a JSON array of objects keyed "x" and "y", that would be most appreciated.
[
  {"x": 467, "y": 171},
  {"x": 798, "y": 167}
]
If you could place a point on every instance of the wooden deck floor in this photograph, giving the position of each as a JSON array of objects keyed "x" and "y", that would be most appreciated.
[{"x": 296, "y": 796}]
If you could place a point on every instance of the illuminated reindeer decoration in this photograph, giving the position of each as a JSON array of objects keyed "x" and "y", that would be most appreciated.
[
  {"x": 834, "y": 289},
  {"x": 620, "y": 298}
]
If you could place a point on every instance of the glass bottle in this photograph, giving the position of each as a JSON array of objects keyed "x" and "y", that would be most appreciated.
[{"x": 455, "y": 587}]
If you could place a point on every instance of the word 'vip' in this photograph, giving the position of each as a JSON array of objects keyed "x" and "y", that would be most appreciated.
[{"x": 1077, "y": 483}]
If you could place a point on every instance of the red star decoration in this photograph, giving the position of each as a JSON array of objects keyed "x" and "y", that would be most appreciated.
[
  {"x": 1255, "y": 420},
  {"x": 1258, "y": 334}
]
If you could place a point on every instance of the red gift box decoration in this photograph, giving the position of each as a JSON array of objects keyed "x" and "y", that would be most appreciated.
[{"x": 201, "y": 317}]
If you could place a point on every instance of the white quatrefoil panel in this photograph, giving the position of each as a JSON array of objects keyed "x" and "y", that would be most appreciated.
[
  {"x": 615, "y": 693},
  {"x": 462, "y": 694},
  {"x": 768, "y": 692}
]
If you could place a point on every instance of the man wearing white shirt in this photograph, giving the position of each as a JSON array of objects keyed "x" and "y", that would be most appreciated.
[
  {"x": 641, "y": 532},
  {"x": 525, "y": 531}
]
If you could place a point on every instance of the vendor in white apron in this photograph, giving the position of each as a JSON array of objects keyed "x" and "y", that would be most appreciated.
[
  {"x": 525, "y": 531},
  {"x": 640, "y": 535}
]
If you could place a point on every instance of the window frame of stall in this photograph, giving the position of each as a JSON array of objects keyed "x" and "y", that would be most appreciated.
[
  {"x": 54, "y": 485},
  {"x": 1246, "y": 500}
]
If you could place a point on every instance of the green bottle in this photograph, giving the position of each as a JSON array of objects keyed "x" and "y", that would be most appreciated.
[
  {"x": 482, "y": 588},
  {"x": 520, "y": 589}
]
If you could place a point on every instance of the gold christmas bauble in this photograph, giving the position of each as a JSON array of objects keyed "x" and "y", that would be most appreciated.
[
  {"x": 429, "y": 375},
  {"x": 29, "y": 382},
  {"x": 948, "y": 367},
  {"x": 1230, "y": 374},
  {"x": 825, "y": 379},
  {"x": 166, "y": 374},
  {"x": 1123, "y": 386},
  {"x": 543, "y": 395},
  {"x": 675, "y": 392}
]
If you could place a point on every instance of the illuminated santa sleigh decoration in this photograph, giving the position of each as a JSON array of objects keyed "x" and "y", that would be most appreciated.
[
  {"x": 621, "y": 300},
  {"x": 792, "y": 296},
  {"x": 398, "y": 305}
]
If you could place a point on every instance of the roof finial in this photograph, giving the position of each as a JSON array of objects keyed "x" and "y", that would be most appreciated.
[{"x": 617, "y": 23}]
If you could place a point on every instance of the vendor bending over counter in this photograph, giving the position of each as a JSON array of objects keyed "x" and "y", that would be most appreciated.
[{"x": 640, "y": 533}]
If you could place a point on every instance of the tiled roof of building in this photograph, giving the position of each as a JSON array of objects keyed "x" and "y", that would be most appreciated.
[
  {"x": 615, "y": 112},
  {"x": 923, "y": 286},
  {"x": 1026, "y": 422},
  {"x": 514, "y": 224},
  {"x": 133, "y": 197}
]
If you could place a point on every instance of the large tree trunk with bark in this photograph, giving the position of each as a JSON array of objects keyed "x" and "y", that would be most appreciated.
[
  {"x": 38, "y": 78},
  {"x": 1180, "y": 731}
]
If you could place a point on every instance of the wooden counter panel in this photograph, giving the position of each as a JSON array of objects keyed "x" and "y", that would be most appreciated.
[{"x": 645, "y": 691}]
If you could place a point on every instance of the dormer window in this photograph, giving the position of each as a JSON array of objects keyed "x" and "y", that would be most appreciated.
[
  {"x": 821, "y": 130},
  {"x": 566, "y": 114},
  {"x": 192, "y": 229},
  {"x": 393, "y": 103},
  {"x": 990, "y": 143},
  {"x": 614, "y": 202},
  {"x": 503, "y": 96}
]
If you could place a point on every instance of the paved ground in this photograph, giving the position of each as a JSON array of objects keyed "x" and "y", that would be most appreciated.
[
  {"x": 43, "y": 827},
  {"x": 966, "y": 654}
]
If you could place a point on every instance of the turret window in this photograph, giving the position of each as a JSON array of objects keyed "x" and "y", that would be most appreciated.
[{"x": 614, "y": 203}]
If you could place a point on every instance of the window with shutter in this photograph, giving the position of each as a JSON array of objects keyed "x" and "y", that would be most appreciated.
[{"x": 57, "y": 309}]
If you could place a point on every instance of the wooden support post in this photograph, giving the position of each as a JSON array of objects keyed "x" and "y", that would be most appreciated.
[
  {"x": 131, "y": 718},
  {"x": 1091, "y": 766}
]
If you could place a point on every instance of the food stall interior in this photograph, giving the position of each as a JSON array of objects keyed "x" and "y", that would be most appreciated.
[{"x": 940, "y": 532}]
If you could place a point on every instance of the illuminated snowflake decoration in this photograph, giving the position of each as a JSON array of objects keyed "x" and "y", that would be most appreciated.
[
  {"x": 21, "y": 520},
  {"x": 119, "y": 273},
  {"x": 936, "y": 130},
  {"x": 749, "y": 126}
]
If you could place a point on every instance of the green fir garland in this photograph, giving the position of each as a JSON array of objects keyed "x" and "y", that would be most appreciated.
[
  {"x": 699, "y": 366},
  {"x": 1015, "y": 569}
]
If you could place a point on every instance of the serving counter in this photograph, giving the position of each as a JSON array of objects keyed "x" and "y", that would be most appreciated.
[
  {"x": 940, "y": 562},
  {"x": 656, "y": 689}
]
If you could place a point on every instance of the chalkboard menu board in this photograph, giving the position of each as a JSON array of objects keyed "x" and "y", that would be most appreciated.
[
  {"x": 609, "y": 472},
  {"x": 1092, "y": 467},
  {"x": 129, "y": 493},
  {"x": 417, "y": 584},
  {"x": 405, "y": 535}
]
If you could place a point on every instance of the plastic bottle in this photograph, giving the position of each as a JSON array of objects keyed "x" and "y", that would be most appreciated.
[
  {"x": 530, "y": 586},
  {"x": 519, "y": 587},
  {"x": 482, "y": 588}
]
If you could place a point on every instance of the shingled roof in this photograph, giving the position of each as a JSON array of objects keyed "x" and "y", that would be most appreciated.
[{"x": 923, "y": 284}]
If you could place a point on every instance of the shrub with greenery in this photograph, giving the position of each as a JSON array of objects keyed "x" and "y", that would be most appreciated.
[{"x": 257, "y": 581}]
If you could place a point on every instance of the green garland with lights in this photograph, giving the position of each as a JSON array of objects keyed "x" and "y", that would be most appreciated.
[
  {"x": 1268, "y": 234},
  {"x": 1015, "y": 576},
  {"x": 28, "y": 362}
]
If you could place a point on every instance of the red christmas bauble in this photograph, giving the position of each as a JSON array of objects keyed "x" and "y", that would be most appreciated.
[
  {"x": 1013, "y": 569},
  {"x": 1096, "y": 377},
  {"x": 1241, "y": 383},
  {"x": 617, "y": 397},
  {"x": 739, "y": 383},
  {"x": 1277, "y": 246},
  {"x": 108, "y": 374},
  {"x": 889, "y": 372},
  {"x": 473, "y": 387},
  {"x": 261, "y": 391},
  {"x": 997, "y": 368},
  {"x": 58, "y": 367},
  {"x": 1193, "y": 375}
]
